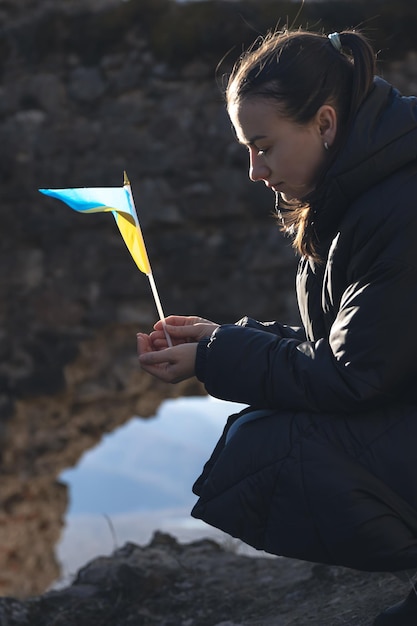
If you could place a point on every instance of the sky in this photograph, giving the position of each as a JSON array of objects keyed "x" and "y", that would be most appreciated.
[{"x": 138, "y": 479}]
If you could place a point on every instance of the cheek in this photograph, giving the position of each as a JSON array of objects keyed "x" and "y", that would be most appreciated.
[{"x": 313, "y": 157}]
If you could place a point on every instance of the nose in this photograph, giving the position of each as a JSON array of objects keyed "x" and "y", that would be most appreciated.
[{"x": 258, "y": 170}]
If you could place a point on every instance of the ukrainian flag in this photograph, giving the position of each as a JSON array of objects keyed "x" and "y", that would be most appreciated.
[{"x": 119, "y": 201}]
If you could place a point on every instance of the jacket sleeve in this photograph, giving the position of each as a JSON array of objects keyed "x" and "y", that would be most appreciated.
[
  {"x": 368, "y": 358},
  {"x": 276, "y": 328}
]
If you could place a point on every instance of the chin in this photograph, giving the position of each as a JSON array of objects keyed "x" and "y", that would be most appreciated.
[
  {"x": 296, "y": 195},
  {"x": 287, "y": 197}
]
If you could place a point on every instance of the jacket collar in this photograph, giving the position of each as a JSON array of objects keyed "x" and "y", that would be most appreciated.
[{"x": 382, "y": 140}]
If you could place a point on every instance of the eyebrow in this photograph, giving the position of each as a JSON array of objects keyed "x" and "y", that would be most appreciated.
[{"x": 252, "y": 140}]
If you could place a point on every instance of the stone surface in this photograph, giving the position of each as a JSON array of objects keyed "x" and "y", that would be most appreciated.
[
  {"x": 203, "y": 584},
  {"x": 89, "y": 89}
]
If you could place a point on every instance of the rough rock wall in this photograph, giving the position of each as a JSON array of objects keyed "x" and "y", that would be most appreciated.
[
  {"x": 88, "y": 90},
  {"x": 71, "y": 299}
]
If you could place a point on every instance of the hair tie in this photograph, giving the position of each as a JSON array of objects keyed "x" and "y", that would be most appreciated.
[{"x": 335, "y": 41}]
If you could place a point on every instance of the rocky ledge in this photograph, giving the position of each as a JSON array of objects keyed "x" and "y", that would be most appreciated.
[{"x": 205, "y": 584}]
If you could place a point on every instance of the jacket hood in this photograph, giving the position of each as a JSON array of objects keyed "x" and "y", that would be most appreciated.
[{"x": 382, "y": 140}]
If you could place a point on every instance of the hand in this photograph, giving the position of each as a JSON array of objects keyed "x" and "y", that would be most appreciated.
[
  {"x": 171, "y": 365},
  {"x": 181, "y": 329}
]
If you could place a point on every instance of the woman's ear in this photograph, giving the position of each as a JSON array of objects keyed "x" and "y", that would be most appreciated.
[{"x": 326, "y": 118}]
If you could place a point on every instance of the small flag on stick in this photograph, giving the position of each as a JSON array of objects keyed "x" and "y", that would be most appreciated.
[{"x": 118, "y": 200}]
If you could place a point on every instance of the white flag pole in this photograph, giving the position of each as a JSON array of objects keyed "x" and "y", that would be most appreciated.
[
  {"x": 152, "y": 283},
  {"x": 159, "y": 307}
]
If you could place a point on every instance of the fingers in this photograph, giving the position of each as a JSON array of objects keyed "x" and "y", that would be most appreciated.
[
  {"x": 154, "y": 341},
  {"x": 153, "y": 363},
  {"x": 194, "y": 332},
  {"x": 171, "y": 365},
  {"x": 174, "y": 320},
  {"x": 176, "y": 363},
  {"x": 157, "y": 357},
  {"x": 182, "y": 332},
  {"x": 143, "y": 343},
  {"x": 181, "y": 320},
  {"x": 159, "y": 340}
]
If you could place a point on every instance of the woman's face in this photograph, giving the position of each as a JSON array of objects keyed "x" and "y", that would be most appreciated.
[{"x": 287, "y": 156}]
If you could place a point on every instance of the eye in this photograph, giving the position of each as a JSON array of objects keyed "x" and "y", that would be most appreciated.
[{"x": 262, "y": 151}]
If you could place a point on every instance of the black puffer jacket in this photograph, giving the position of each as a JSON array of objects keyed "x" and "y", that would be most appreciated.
[{"x": 331, "y": 476}]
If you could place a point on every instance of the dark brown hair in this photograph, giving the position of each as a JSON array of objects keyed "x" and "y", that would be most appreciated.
[{"x": 301, "y": 71}]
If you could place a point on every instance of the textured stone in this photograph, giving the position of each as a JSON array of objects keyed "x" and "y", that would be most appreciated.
[{"x": 90, "y": 89}]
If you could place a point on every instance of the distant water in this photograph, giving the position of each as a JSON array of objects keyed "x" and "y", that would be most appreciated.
[{"x": 139, "y": 479}]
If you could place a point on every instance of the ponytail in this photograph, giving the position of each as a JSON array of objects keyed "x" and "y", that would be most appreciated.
[{"x": 364, "y": 67}]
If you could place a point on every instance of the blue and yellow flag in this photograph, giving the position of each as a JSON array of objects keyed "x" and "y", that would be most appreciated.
[{"x": 119, "y": 201}]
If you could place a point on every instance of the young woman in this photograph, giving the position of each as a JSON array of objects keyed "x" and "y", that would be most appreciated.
[{"x": 322, "y": 465}]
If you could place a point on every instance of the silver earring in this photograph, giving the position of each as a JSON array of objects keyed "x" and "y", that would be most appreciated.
[{"x": 326, "y": 145}]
